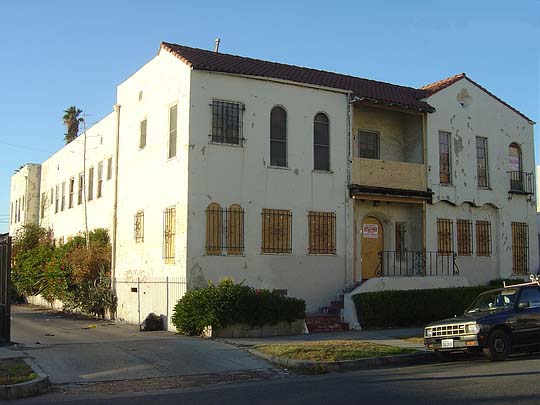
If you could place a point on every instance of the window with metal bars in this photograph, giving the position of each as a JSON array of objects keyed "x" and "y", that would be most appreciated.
[
  {"x": 227, "y": 122},
  {"x": 169, "y": 231},
  {"x": 401, "y": 231},
  {"x": 482, "y": 161},
  {"x": 483, "y": 238},
  {"x": 276, "y": 231},
  {"x": 321, "y": 142},
  {"x": 464, "y": 237},
  {"x": 139, "y": 226},
  {"x": 173, "y": 123},
  {"x": 278, "y": 137},
  {"x": 444, "y": 158},
  {"x": 520, "y": 248},
  {"x": 368, "y": 145},
  {"x": 445, "y": 236},
  {"x": 224, "y": 230},
  {"x": 142, "y": 134},
  {"x": 322, "y": 233}
]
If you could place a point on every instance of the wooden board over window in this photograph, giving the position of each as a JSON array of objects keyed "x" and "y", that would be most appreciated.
[
  {"x": 464, "y": 237},
  {"x": 445, "y": 236},
  {"x": 483, "y": 238},
  {"x": 322, "y": 232},
  {"x": 276, "y": 231},
  {"x": 520, "y": 248}
]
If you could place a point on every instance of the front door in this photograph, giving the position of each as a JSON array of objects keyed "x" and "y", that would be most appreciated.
[{"x": 371, "y": 244}]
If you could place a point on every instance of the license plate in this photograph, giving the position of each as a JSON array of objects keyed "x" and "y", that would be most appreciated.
[{"x": 446, "y": 343}]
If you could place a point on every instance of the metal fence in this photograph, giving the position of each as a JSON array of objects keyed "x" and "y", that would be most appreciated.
[
  {"x": 139, "y": 297},
  {"x": 416, "y": 263},
  {"x": 5, "y": 273}
]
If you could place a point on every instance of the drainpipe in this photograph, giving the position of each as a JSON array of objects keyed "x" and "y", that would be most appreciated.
[
  {"x": 115, "y": 201},
  {"x": 347, "y": 202}
]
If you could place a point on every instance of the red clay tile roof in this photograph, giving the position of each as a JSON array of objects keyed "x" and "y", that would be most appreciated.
[
  {"x": 433, "y": 88},
  {"x": 369, "y": 90}
]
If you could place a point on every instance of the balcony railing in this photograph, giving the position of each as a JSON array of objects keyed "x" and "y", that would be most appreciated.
[
  {"x": 419, "y": 263},
  {"x": 521, "y": 182}
]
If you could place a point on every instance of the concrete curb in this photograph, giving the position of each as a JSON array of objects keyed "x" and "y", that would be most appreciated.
[
  {"x": 421, "y": 357},
  {"x": 38, "y": 386}
]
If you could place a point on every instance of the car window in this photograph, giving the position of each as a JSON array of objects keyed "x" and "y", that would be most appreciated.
[
  {"x": 493, "y": 300},
  {"x": 530, "y": 295}
]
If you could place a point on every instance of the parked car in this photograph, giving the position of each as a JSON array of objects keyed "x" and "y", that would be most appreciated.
[{"x": 498, "y": 322}]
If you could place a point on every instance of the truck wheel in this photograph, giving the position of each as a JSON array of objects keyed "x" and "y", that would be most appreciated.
[{"x": 499, "y": 345}]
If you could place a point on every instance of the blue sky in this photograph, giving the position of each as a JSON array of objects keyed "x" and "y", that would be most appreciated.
[{"x": 60, "y": 53}]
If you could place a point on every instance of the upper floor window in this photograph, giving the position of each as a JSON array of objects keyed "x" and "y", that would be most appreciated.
[
  {"x": 71, "y": 191},
  {"x": 173, "y": 122},
  {"x": 482, "y": 161},
  {"x": 444, "y": 158},
  {"x": 100, "y": 179},
  {"x": 139, "y": 226},
  {"x": 368, "y": 145},
  {"x": 321, "y": 142},
  {"x": 63, "y": 204},
  {"x": 142, "y": 134},
  {"x": 227, "y": 122},
  {"x": 56, "y": 200},
  {"x": 90, "y": 184},
  {"x": 109, "y": 168},
  {"x": 43, "y": 203},
  {"x": 278, "y": 137},
  {"x": 80, "y": 190}
]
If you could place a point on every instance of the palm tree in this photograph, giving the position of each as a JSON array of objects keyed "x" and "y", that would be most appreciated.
[{"x": 71, "y": 121}]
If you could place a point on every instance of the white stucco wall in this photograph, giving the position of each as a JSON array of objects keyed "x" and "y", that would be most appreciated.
[
  {"x": 24, "y": 196},
  {"x": 68, "y": 163},
  {"x": 232, "y": 174},
  {"x": 486, "y": 117}
]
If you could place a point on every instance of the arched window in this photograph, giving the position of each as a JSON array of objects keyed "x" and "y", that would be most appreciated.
[
  {"x": 321, "y": 142},
  {"x": 514, "y": 167},
  {"x": 235, "y": 230},
  {"x": 214, "y": 229},
  {"x": 278, "y": 137}
]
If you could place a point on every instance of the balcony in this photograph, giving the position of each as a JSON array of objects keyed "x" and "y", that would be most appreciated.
[
  {"x": 420, "y": 263},
  {"x": 389, "y": 175},
  {"x": 521, "y": 182}
]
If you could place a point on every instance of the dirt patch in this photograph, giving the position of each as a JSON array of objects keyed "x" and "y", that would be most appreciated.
[{"x": 15, "y": 371}]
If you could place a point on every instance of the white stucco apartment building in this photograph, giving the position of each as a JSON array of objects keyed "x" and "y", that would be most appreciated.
[{"x": 288, "y": 178}]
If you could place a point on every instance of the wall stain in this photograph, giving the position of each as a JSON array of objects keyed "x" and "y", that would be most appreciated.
[
  {"x": 295, "y": 171},
  {"x": 203, "y": 150}
]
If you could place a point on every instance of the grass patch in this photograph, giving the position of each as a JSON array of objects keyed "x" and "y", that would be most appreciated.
[
  {"x": 332, "y": 350},
  {"x": 15, "y": 371},
  {"x": 414, "y": 339}
]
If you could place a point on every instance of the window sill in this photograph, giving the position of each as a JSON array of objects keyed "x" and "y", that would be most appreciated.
[
  {"x": 278, "y": 167},
  {"x": 447, "y": 185},
  {"x": 234, "y": 145},
  {"x": 322, "y": 254},
  {"x": 169, "y": 159},
  {"x": 277, "y": 254},
  {"x": 224, "y": 255},
  {"x": 322, "y": 171},
  {"x": 485, "y": 188}
]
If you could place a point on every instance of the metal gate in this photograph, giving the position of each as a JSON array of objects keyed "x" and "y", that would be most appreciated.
[{"x": 5, "y": 273}]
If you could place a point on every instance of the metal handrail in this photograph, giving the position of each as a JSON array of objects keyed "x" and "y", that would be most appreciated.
[{"x": 418, "y": 263}]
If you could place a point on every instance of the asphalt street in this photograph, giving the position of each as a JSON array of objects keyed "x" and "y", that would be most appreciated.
[
  {"x": 472, "y": 381},
  {"x": 79, "y": 351}
]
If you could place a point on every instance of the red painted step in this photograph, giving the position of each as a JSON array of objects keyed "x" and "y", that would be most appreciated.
[{"x": 325, "y": 323}]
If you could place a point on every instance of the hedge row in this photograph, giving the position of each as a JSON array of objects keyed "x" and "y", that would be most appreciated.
[
  {"x": 231, "y": 303},
  {"x": 413, "y": 307}
]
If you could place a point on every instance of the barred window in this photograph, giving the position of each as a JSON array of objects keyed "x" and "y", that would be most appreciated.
[
  {"x": 142, "y": 134},
  {"x": 482, "y": 161},
  {"x": 520, "y": 248},
  {"x": 80, "y": 190},
  {"x": 401, "y": 231},
  {"x": 71, "y": 191},
  {"x": 445, "y": 236},
  {"x": 276, "y": 231},
  {"x": 483, "y": 238},
  {"x": 139, "y": 227},
  {"x": 100, "y": 179},
  {"x": 464, "y": 237},
  {"x": 224, "y": 230},
  {"x": 321, "y": 142},
  {"x": 368, "y": 145},
  {"x": 227, "y": 122},
  {"x": 322, "y": 232},
  {"x": 444, "y": 158},
  {"x": 278, "y": 137},
  {"x": 63, "y": 204},
  {"x": 90, "y": 184},
  {"x": 173, "y": 121},
  {"x": 169, "y": 231}
]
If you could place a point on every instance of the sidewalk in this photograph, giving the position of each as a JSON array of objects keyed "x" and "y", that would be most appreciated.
[{"x": 390, "y": 337}]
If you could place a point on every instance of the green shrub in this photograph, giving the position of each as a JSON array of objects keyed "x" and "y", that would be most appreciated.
[
  {"x": 413, "y": 307},
  {"x": 230, "y": 303}
]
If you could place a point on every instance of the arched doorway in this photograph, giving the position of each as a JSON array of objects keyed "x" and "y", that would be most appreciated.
[{"x": 372, "y": 243}]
